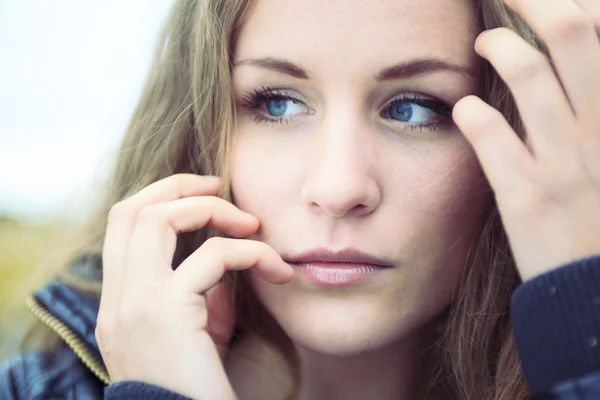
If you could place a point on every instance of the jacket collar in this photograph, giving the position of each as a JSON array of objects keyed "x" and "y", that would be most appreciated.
[{"x": 76, "y": 309}]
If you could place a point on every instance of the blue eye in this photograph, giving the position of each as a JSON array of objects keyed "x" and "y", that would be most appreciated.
[
  {"x": 411, "y": 113},
  {"x": 415, "y": 111},
  {"x": 277, "y": 107},
  {"x": 402, "y": 112},
  {"x": 284, "y": 107},
  {"x": 274, "y": 105}
]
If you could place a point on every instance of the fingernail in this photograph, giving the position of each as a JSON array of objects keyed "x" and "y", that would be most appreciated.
[
  {"x": 479, "y": 48},
  {"x": 250, "y": 217},
  {"x": 481, "y": 35}
]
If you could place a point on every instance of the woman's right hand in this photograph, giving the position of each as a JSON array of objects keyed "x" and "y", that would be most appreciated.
[{"x": 153, "y": 323}]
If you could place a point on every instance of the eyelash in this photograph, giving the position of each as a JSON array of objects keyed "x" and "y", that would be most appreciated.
[
  {"x": 255, "y": 99},
  {"x": 443, "y": 110}
]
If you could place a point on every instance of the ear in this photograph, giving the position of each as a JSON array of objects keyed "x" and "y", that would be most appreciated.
[{"x": 221, "y": 316}]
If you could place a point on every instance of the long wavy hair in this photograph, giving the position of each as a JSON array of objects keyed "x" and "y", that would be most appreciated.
[{"x": 183, "y": 123}]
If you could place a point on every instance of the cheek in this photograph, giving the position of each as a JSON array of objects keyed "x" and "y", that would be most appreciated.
[
  {"x": 449, "y": 185},
  {"x": 439, "y": 211},
  {"x": 455, "y": 201},
  {"x": 438, "y": 203},
  {"x": 262, "y": 177},
  {"x": 455, "y": 193}
]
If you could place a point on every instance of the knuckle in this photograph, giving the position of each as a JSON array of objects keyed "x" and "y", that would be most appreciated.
[
  {"x": 527, "y": 68},
  {"x": 482, "y": 124},
  {"x": 119, "y": 211},
  {"x": 531, "y": 200},
  {"x": 177, "y": 182},
  {"x": 178, "y": 178},
  {"x": 152, "y": 214},
  {"x": 262, "y": 247},
  {"x": 209, "y": 202},
  {"x": 216, "y": 243},
  {"x": 568, "y": 27},
  {"x": 530, "y": 196},
  {"x": 174, "y": 183}
]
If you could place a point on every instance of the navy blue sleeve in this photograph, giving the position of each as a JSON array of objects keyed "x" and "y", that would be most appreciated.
[
  {"x": 582, "y": 388},
  {"x": 556, "y": 320},
  {"x": 133, "y": 390}
]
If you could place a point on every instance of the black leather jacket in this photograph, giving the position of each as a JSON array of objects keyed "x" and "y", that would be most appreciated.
[{"x": 77, "y": 372}]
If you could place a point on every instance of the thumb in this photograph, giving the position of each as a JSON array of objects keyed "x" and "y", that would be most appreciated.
[{"x": 221, "y": 316}]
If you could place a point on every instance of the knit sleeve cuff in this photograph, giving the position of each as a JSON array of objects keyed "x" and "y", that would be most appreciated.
[
  {"x": 556, "y": 319},
  {"x": 133, "y": 390}
]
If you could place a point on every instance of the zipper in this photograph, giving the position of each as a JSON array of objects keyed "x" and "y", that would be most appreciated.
[{"x": 69, "y": 337}]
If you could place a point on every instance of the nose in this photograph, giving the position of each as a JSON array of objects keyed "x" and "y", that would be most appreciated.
[{"x": 342, "y": 170}]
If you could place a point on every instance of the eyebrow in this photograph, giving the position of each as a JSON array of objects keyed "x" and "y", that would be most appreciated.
[
  {"x": 403, "y": 70},
  {"x": 421, "y": 67},
  {"x": 274, "y": 64}
]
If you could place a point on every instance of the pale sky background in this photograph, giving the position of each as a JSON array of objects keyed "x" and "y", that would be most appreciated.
[{"x": 71, "y": 72}]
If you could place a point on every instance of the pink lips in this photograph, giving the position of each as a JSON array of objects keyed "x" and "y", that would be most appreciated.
[{"x": 342, "y": 268}]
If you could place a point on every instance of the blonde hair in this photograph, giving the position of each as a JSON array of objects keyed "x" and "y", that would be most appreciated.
[{"x": 183, "y": 123}]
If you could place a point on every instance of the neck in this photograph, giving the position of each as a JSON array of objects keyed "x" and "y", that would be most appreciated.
[
  {"x": 391, "y": 372},
  {"x": 397, "y": 371}
]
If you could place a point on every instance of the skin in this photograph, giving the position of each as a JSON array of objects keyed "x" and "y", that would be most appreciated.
[{"x": 337, "y": 177}]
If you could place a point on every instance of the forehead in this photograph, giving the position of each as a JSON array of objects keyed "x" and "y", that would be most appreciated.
[{"x": 351, "y": 34}]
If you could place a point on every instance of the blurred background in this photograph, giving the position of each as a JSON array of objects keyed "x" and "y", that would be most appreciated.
[{"x": 70, "y": 74}]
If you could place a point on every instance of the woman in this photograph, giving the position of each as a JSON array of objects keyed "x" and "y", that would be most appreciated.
[{"x": 364, "y": 253}]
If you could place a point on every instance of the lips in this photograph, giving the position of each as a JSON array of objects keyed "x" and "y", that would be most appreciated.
[
  {"x": 348, "y": 267},
  {"x": 343, "y": 256}
]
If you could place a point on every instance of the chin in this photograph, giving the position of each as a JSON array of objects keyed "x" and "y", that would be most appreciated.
[
  {"x": 345, "y": 326},
  {"x": 338, "y": 343}
]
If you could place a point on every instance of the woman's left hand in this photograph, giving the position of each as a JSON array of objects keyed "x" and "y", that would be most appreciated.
[{"x": 548, "y": 192}]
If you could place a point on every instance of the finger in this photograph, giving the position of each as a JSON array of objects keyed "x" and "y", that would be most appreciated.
[
  {"x": 174, "y": 187},
  {"x": 221, "y": 316},
  {"x": 589, "y": 142},
  {"x": 122, "y": 217},
  {"x": 154, "y": 236},
  {"x": 569, "y": 32},
  {"x": 545, "y": 111},
  {"x": 205, "y": 267},
  {"x": 503, "y": 157},
  {"x": 592, "y": 7}
]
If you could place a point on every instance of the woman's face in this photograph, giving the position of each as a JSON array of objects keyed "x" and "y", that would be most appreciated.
[{"x": 344, "y": 141}]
